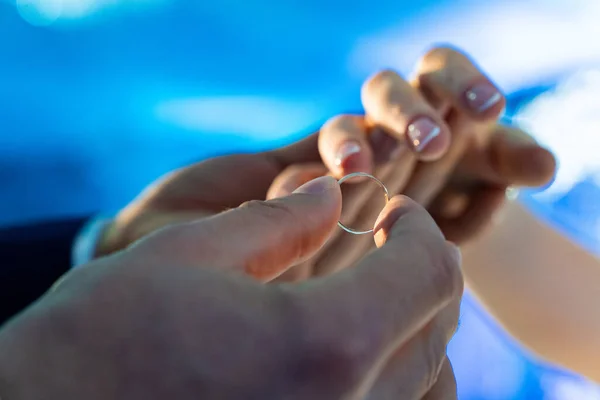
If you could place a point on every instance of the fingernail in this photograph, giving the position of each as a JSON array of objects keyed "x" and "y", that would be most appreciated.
[
  {"x": 482, "y": 97},
  {"x": 421, "y": 132},
  {"x": 347, "y": 154},
  {"x": 317, "y": 186}
]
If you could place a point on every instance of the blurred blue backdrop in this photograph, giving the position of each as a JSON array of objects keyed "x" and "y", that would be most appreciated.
[{"x": 100, "y": 97}]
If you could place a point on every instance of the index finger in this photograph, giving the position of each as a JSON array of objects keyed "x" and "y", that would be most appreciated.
[
  {"x": 392, "y": 293},
  {"x": 392, "y": 103}
]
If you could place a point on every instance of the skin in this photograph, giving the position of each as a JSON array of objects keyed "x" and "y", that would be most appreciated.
[
  {"x": 553, "y": 283},
  {"x": 176, "y": 315},
  {"x": 440, "y": 176},
  {"x": 175, "y": 243}
]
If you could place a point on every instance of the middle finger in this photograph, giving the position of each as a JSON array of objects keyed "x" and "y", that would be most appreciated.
[{"x": 474, "y": 102}]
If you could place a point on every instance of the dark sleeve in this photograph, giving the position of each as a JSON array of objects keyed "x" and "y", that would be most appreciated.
[{"x": 32, "y": 258}]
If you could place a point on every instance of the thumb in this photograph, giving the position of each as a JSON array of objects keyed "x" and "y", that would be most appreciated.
[
  {"x": 511, "y": 158},
  {"x": 518, "y": 160},
  {"x": 259, "y": 238}
]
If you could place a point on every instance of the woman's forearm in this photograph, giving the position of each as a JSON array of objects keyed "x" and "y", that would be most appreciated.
[{"x": 543, "y": 288}]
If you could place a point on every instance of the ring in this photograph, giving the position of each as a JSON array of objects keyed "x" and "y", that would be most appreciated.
[{"x": 385, "y": 193}]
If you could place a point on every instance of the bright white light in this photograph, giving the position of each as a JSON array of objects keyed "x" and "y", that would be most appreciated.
[
  {"x": 517, "y": 42},
  {"x": 561, "y": 388},
  {"x": 250, "y": 116},
  {"x": 567, "y": 121},
  {"x": 46, "y": 12},
  {"x": 40, "y": 12}
]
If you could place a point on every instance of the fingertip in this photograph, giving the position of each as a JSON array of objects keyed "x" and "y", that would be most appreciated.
[
  {"x": 529, "y": 165},
  {"x": 321, "y": 186},
  {"x": 452, "y": 75},
  {"x": 293, "y": 177},
  {"x": 286, "y": 231},
  {"x": 344, "y": 147},
  {"x": 391, "y": 220},
  {"x": 325, "y": 191},
  {"x": 544, "y": 165},
  {"x": 282, "y": 188},
  {"x": 353, "y": 156},
  {"x": 428, "y": 138}
]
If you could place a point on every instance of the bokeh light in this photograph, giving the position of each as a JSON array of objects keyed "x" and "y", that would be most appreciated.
[{"x": 564, "y": 120}]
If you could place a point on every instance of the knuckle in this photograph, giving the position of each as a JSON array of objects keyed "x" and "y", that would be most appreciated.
[
  {"x": 345, "y": 359},
  {"x": 269, "y": 209},
  {"x": 443, "y": 53},
  {"x": 324, "y": 354},
  {"x": 434, "y": 353}
]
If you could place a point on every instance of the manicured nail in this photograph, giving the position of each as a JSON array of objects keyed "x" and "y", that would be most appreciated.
[
  {"x": 482, "y": 97},
  {"x": 318, "y": 186},
  {"x": 347, "y": 154},
  {"x": 421, "y": 132}
]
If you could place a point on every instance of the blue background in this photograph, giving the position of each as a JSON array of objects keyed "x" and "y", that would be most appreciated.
[{"x": 95, "y": 105}]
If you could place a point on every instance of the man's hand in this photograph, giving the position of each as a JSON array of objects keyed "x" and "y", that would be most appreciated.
[{"x": 175, "y": 315}]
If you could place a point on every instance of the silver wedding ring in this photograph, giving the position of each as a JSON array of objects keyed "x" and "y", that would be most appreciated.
[{"x": 385, "y": 193}]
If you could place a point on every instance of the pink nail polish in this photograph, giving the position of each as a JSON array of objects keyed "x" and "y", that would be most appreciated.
[
  {"x": 345, "y": 152},
  {"x": 482, "y": 97},
  {"x": 421, "y": 132}
]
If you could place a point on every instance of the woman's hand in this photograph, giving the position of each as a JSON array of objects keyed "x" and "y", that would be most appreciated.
[{"x": 476, "y": 158}]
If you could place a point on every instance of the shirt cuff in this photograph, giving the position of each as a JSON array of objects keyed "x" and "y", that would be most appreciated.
[{"x": 86, "y": 241}]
